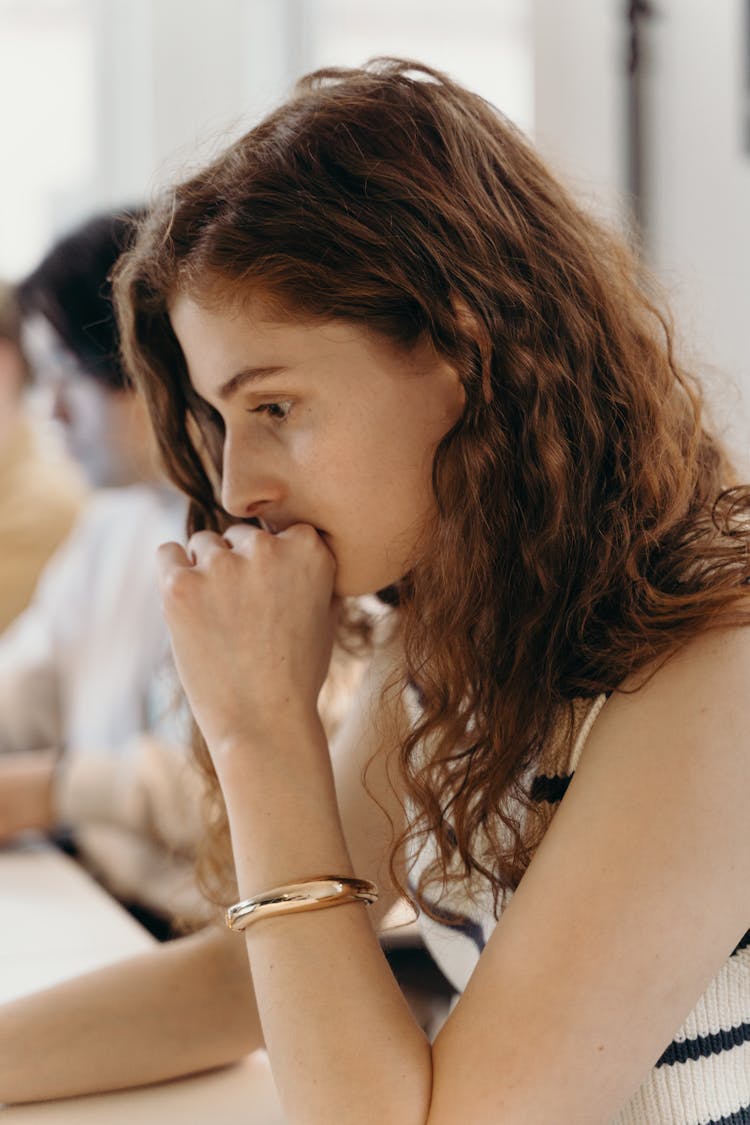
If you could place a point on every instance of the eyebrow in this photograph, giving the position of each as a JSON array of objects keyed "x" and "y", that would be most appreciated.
[{"x": 245, "y": 376}]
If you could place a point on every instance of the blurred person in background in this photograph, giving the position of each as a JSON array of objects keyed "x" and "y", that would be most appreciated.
[
  {"x": 90, "y": 734},
  {"x": 40, "y": 490}
]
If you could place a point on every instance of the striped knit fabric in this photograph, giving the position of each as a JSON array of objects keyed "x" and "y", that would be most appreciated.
[{"x": 703, "y": 1076}]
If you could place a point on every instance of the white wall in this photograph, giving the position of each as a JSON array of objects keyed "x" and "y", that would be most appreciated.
[
  {"x": 579, "y": 65},
  {"x": 143, "y": 90},
  {"x": 699, "y": 190},
  {"x": 485, "y": 44},
  {"x": 171, "y": 73},
  {"x": 176, "y": 81}
]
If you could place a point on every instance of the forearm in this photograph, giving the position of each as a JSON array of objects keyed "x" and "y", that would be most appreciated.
[
  {"x": 185, "y": 1007},
  {"x": 153, "y": 790},
  {"x": 29, "y": 685},
  {"x": 343, "y": 1043}
]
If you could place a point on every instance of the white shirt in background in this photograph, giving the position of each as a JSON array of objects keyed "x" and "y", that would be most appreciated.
[{"x": 87, "y": 669}]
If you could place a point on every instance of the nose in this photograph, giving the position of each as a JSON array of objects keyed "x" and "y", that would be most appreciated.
[{"x": 249, "y": 483}]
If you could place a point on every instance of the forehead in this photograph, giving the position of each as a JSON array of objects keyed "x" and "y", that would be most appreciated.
[
  {"x": 220, "y": 340},
  {"x": 209, "y": 324}
]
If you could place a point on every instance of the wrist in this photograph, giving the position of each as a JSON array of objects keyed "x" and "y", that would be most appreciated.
[
  {"x": 288, "y": 852},
  {"x": 32, "y": 790},
  {"x": 293, "y": 733},
  {"x": 284, "y": 825}
]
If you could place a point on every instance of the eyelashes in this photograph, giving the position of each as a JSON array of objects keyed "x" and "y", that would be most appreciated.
[
  {"x": 277, "y": 411},
  {"x": 209, "y": 418}
]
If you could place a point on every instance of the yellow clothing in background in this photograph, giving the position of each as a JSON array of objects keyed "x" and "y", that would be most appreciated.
[{"x": 40, "y": 496}]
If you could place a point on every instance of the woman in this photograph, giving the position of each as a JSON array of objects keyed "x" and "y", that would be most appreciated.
[{"x": 384, "y": 351}]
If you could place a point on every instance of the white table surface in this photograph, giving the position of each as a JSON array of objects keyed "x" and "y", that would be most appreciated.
[{"x": 55, "y": 922}]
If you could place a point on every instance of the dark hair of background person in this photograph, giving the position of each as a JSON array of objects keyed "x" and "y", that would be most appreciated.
[
  {"x": 71, "y": 287},
  {"x": 10, "y": 325},
  {"x": 587, "y": 522}
]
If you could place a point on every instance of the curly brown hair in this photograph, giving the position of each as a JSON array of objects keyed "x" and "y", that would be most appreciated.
[{"x": 586, "y": 523}]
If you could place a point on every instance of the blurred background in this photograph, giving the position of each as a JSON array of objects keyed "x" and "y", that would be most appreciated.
[{"x": 644, "y": 107}]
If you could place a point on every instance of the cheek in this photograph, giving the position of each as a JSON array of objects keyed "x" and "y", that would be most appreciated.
[
  {"x": 374, "y": 468},
  {"x": 386, "y": 503}
]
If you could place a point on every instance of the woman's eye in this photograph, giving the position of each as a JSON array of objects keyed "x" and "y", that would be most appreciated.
[{"x": 278, "y": 411}]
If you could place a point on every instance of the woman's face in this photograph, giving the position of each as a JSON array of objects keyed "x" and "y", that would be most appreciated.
[{"x": 324, "y": 425}]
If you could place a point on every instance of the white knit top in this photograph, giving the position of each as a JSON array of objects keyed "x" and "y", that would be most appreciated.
[{"x": 703, "y": 1075}]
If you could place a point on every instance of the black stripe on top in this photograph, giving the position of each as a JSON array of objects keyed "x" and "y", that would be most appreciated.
[
  {"x": 741, "y": 1117},
  {"x": 550, "y": 789},
  {"x": 703, "y": 1046},
  {"x": 459, "y": 922},
  {"x": 742, "y": 944}
]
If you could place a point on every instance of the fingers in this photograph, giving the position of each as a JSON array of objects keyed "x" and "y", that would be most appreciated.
[
  {"x": 178, "y": 567},
  {"x": 204, "y": 546},
  {"x": 173, "y": 568},
  {"x": 243, "y": 536},
  {"x": 246, "y": 539},
  {"x": 200, "y": 548},
  {"x": 169, "y": 556}
]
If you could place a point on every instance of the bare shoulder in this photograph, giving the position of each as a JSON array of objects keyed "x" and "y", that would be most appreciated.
[
  {"x": 718, "y": 655},
  {"x": 631, "y": 906},
  {"x": 700, "y": 693},
  {"x": 705, "y": 682},
  {"x": 670, "y": 755}
]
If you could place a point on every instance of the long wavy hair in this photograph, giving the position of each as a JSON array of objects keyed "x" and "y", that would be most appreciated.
[{"x": 586, "y": 523}]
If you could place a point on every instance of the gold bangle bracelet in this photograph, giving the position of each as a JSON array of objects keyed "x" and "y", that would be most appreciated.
[{"x": 316, "y": 893}]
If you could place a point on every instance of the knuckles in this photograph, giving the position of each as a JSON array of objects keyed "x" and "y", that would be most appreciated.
[
  {"x": 307, "y": 539},
  {"x": 177, "y": 585},
  {"x": 303, "y": 533},
  {"x": 245, "y": 557}
]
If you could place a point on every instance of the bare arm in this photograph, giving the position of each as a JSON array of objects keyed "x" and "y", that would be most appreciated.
[
  {"x": 627, "y": 911},
  {"x": 188, "y": 1005},
  {"x": 152, "y": 790},
  {"x": 183, "y": 1007},
  {"x": 29, "y": 683}
]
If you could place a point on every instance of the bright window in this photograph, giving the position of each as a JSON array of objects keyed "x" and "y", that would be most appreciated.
[
  {"x": 48, "y": 137},
  {"x": 485, "y": 44}
]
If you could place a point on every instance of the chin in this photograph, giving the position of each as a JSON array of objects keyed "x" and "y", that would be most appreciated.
[
  {"x": 359, "y": 581},
  {"x": 383, "y": 587},
  {"x": 348, "y": 590}
]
